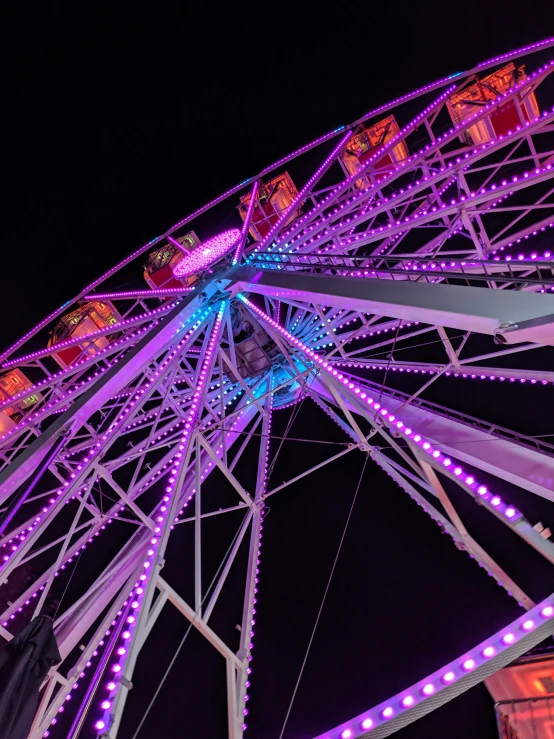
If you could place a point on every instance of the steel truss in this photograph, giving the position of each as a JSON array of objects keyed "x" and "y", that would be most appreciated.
[{"x": 379, "y": 265}]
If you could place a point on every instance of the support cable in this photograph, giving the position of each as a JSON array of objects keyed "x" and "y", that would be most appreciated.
[
  {"x": 68, "y": 583},
  {"x": 290, "y": 421},
  {"x": 323, "y": 599}
]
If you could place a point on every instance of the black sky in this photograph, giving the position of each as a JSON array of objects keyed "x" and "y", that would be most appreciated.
[{"x": 117, "y": 124}]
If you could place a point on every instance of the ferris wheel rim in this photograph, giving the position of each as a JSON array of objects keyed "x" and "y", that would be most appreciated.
[{"x": 377, "y": 716}]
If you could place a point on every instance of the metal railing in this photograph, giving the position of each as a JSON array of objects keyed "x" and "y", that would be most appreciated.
[
  {"x": 525, "y": 718},
  {"x": 519, "y": 273},
  {"x": 491, "y": 429}
]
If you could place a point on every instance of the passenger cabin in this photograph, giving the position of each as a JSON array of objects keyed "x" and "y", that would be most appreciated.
[
  {"x": 367, "y": 143},
  {"x": 272, "y": 199},
  {"x": 523, "y": 693},
  {"x": 504, "y": 118},
  {"x": 158, "y": 270},
  {"x": 87, "y": 319},
  {"x": 255, "y": 351},
  {"x": 12, "y": 383}
]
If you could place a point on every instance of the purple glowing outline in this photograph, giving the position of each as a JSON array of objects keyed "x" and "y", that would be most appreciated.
[
  {"x": 206, "y": 254},
  {"x": 458, "y": 670},
  {"x": 347, "y": 182},
  {"x": 531, "y": 48},
  {"x": 78, "y": 386},
  {"x": 268, "y": 405},
  {"x": 104, "y": 657},
  {"x": 477, "y": 656},
  {"x": 170, "y": 490},
  {"x": 117, "y": 422},
  {"x": 320, "y": 171},
  {"x": 483, "y": 373},
  {"x": 160, "y": 292},
  {"x": 101, "y": 526},
  {"x": 114, "y": 328},
  {"x": 381, "y": 206},
  {"x": 436, "y": 145},
  {"x": 388, "y": 418},
  {"x": 48, "y": 408}
]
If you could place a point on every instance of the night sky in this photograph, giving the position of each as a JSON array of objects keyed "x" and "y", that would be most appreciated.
[{"x": 116, "y": 127}]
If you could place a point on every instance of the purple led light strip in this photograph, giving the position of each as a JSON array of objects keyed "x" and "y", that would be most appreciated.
[
  {"x": 161, "y": 292},
  {"x": 539, "y": 618},
  {"x": 436, "y": 145},
  {"x": 473, "y": 373},
  {"x": 298, "y": 152},
  {"x": 114, "y": 328},
  {"x": 517, "y": 52},
  {"x": 479, "y": 491},
  {"x": 102, "y": 526},
  {"x": 207, "y": 253},
  {"x": 72, "y": 369},
  {"x": 76, "y": 685},
  {"x": 524, "y": 235},
  {"x": 442, "y": 522},
  {"x": 99, "y": 673},
  {"x": 118, "y": 421},
  {"x": 50, "y": 407},
  {"x": 445, "y": 209},
  {"x": 443, "y": 271},
  {"x": 320, "y": 171},
  {"x": 378, "y": 329},
  {"x": 458, "y": 77},
  {"x": 260, "y": 492},
  {"x": 461, "y": 674},
  {"x": 121, "y": 651},
  {"x": 150, "y": 560},
  {"x": 346, "y": 183}
]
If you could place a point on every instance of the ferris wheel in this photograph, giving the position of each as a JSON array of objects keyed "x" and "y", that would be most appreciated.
[{"x": 428, "y": 217}]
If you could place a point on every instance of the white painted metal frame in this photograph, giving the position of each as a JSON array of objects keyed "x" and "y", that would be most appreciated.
[{"x": 361, "y": 275}]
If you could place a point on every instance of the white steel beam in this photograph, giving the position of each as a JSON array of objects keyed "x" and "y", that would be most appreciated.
[
  {"x": 183, "y": 607},
  {"x": 105, "y": 387},
  {"x": 464, "y": 371},
  {"x": 480, "y": 310},
  {"x": 462, "y": 540},
  {"x": 204, "y": 372},
  {"x": 524, "y": 467},
  {"x": 244, "y": 651}
]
